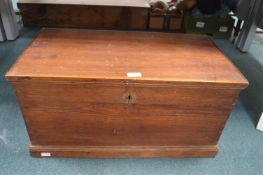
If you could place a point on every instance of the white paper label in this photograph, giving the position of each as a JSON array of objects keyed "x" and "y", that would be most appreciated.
[
  {"x": 134, "y": 74},
  {"x": 260, "y": 123},
  {"x": 223, "y": 29},
  {"x": 45, "y": 154},
  {"x": 200, "y": 24}
]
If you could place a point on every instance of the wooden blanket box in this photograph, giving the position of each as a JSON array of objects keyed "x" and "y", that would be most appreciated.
[{"x": 120, "y": 94}]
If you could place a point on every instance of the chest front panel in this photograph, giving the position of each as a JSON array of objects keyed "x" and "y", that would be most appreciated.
[{"x": 101, "y": 114}]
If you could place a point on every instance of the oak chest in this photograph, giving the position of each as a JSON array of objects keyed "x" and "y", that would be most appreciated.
[{"x": 87, "y": 93}]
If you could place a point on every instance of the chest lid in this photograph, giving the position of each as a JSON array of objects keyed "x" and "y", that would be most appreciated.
[{"x": 97, "y": 56}]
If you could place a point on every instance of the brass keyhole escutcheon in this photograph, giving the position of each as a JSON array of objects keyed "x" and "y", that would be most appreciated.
[{"x": 129, "y": 98}]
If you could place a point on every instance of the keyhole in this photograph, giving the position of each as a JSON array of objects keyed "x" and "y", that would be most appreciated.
[{"x": 129, "y": 98}]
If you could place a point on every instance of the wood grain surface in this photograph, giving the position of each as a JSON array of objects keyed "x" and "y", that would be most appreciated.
[
  {"x": 125, "y": 151},
  {"x": 84, "y": 16},
  {"x": 81, "y": 114},
  {"x": 107, "y": 56},
  {"x": 77, "y": 100}
]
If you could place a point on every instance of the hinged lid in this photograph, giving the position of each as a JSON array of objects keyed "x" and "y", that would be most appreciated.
[{"x": 79, "y": 55}]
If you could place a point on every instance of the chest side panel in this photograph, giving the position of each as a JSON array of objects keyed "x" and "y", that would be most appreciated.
[{"x": 85, "y": 114}]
